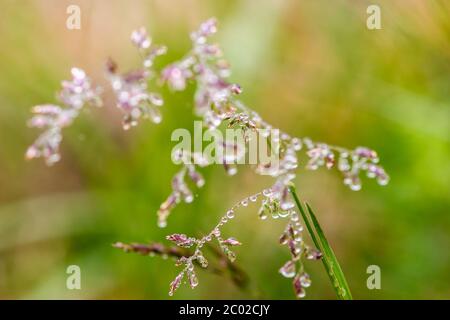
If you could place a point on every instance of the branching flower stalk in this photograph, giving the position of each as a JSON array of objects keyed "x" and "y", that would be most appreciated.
[
  {"x": 184, "y": 241},
  {"x": 215, "y": 101},
  {"x": 130, "y": 88},
  {"x": 291, "y": 237}
]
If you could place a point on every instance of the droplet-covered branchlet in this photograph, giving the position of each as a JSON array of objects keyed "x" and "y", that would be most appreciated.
[
  {"x": 188, "y": 268},
  {"x": 190, "y": 163},
  {"x": 292, "y": 237},
  {"x": 130, "y": 88},
  {"x": 269, "y": 206},
  {"x": 180, "y": 189},
  {"x": 74, "y": 95}
]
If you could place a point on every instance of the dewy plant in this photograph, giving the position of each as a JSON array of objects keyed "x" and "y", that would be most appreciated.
[{"x": 216, "y": 103}]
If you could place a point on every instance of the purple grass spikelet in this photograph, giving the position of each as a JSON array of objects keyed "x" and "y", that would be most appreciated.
[{"x": 130, "y": 88}]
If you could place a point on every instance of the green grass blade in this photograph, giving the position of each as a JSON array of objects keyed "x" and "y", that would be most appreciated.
[
  {"x": 329, "y": 259},
  {"x": 335, "y": 270}
]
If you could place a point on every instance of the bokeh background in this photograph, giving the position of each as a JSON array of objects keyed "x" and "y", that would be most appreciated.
[{"x": 310, "y": 67}]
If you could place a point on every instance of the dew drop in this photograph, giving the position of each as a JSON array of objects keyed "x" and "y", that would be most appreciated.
[
  {"x": 383, "y": 181},
  {"x": 148, "y": 63},
  {"x": 294, "y": 216},
  {"x": 230, "y": 214},
  {"x": 305, "y": 280},
  {"x": 355, "y": 186},
  {"x": 297, "y": 144},
  {"x": 283, "y": 214},
  {"x": 162, "y": 223},
  {"x": 286, "y": 205},
  {"x": 301, "y": 293},
  {"x": 288, "y": 270},
  {"x": 193, "y": 281},
  {"x": 371, "y": 174},
  {"x": 200, "y": 183},
  {"x": 232, "y": 171},
  {"x": 156, "y": 118}
]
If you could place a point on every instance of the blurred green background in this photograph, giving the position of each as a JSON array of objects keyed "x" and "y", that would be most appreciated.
[{"x": 309, "y": 67}]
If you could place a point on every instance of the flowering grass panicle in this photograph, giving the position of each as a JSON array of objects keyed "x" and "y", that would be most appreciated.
[
  {"x": 74, "y": 95},
  {"x": 216, "y": 102}
]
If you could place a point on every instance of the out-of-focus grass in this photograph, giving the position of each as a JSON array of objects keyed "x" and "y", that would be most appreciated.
[{"x": 310, "y": 67}]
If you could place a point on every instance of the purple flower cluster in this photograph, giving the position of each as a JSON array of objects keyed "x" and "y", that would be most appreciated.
[
  {"x": 350, "y": 162},
  {"x": 130, "y": 88}
]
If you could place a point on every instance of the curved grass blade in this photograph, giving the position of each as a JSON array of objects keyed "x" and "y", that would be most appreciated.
[{"x": 329, "y": 259}]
